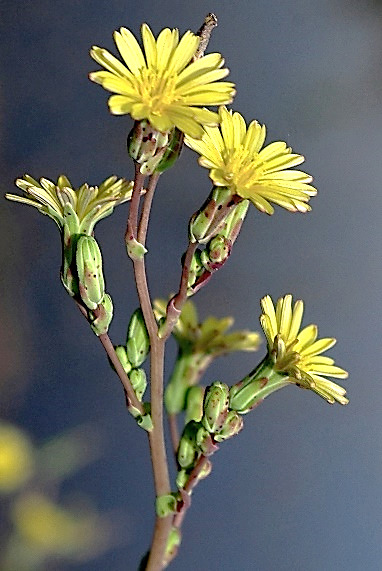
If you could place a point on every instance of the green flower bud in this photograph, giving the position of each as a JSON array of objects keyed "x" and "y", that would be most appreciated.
[
  {"x": 135, "y": 250},
  {"x": 188, "y": 449},
  {"x": 138, "y": 342},
  {"x": 122, "y": 356},
  {"x": 89, "y": 268},
  {"x": 173, "y": 541},
  {"x": 181, "y": 479},
  {"x": 138, "y": 381},
  {"x": 232, "y": 426},
  {"x": 143, "y": 420},
  {"x": 216, "y": 253},
  {"x": 165, "y": 505},
  {"x": 196, "y": 269},
  {"x": 153, "y": 150},
  {"x": 234, "y": 221},
  {"x": 204, "y": 441},
  {"x": 207, "y": 222},
  {"x": 206, "y": 470},
  {"x": 194, "y": 404},
  {"x": 172, "y": 151},
  {"x": 215, "y": 407},
  {"x": 101, "y": 318}
]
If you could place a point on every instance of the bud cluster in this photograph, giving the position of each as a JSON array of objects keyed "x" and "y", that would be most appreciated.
[
  {"x": 218, "y": 235},
  {"x": 217, "y": 423},
  {"x": 131, "y": 356}
]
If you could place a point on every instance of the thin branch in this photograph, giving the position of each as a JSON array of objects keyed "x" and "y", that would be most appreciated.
[
  {"x": 123, "y": 377},
  {"x": 130, "y": 393},
  {"x": 146, "y": 209},
  {"x": 192, "y": 481},
  {"x": 132, "y": 220},
  {"x": 205, "y": 31}
]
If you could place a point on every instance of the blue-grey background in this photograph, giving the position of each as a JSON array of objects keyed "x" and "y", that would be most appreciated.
[{"x": 300, "y": 487}]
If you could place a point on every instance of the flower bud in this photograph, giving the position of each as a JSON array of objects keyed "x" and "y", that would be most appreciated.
[
  {"x": 154, "y": 150},
  {"x": 138, "y": 342},
  {"x": 89, "y": 268},
  {"x": 139, "y": 382},
  {"x": 165, "y": 505},
  {"x": 206, "y": 470},
  {"x": 232, "y": 426},
  {"x": 206, "y": 223},
  {"x": 194, "y": 404},
  {"x": 121, "y": 354},
  {"x": 204, "y": 442},
  {"x": 216, "y": 253},
  {"x": 181, "y": 478},
  {"x": 101, "y": 318},
  {"x": 173, "y": 541},
  {"x": 215, "y": 407},
  {"x": 188, "y": 449}
]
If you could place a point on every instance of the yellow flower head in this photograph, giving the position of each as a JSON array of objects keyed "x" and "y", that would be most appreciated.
[
  {"x": 162, "y": 83},
  {"x": 88, "y": 204},
  {"x": 237, "y": 160},
  {"x": 16, "y": 458},
  {"x": 298, "y": 353}
]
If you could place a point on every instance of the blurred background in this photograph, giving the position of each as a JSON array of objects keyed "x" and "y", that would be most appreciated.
[{"x": 300, "y": 487}]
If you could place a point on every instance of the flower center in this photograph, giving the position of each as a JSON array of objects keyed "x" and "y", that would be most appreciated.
[
  {"x": 240, "y": 167},
  {"x": 157, "y": 89}
]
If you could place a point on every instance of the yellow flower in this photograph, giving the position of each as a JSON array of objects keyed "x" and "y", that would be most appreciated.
[
  {"x": 163, "y": 84},
  {"x": 88, "y": 204},
  {"x": 16, "y": 458},
  {"x": 237, "y": 160},
  {"x": 49, "y": 528},
  {"x": 298, "y": 353}
]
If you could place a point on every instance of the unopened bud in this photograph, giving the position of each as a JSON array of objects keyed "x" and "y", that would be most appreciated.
[
  {"x": 188, "y": 450},
  {"x": 101, "y": 318},
  {"x": 194, "y": 404},
  {"x": 216, "y": 253},
  {"x": 207, "y": 222},
  {"x": 154, "y": 150},
  {"x": 121, "y": 354},
  {"x": 138, "y": 381},
  {"x": 138, "y": 342},
  {"x": 215, "y": 407},
  {"x": 181, "y": 478},
  {"x": 206, "y": 470},
  {"x": 231, "y": 427},
  {"x": 89, "y": 268},
  {"x": 173, "y": 541},
  {"x": 165, "y": 505}
]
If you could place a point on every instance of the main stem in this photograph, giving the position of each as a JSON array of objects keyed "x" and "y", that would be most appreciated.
[{"x": 156, "y": 436}]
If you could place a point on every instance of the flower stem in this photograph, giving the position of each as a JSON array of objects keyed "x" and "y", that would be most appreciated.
[
  {"x": 129, "y": 391},
  {"x": 156, "y": 436},
  {"x": 123, "y": 377},
  {"x": 132, "y": 220},
  {"x": 143, "y": 223}
]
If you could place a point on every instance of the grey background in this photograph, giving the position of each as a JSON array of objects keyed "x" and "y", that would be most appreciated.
[{"x": 300, "y": 488}]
